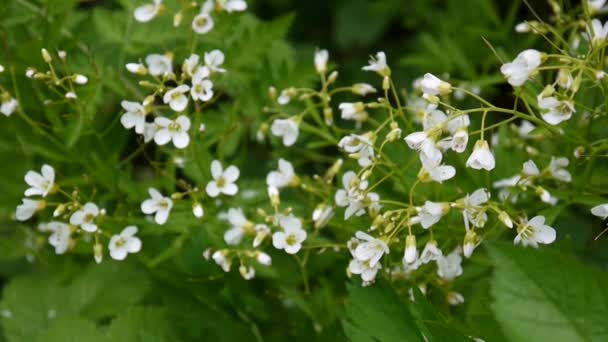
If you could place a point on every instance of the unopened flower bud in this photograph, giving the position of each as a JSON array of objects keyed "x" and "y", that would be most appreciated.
[
  {"x": 80, "y": 79},
  {"x": 247, "y": 272},
  {"x": 273, "y": 194},
  {"x": 177, "y": 19},
  {"x": 328, "y": 116},
  {"x": 46, "y": 55},
  {"x": 470, "y": 242},
  {"x": 506, "y": 219},
  {"x": 197, "y": 210},
  {"x": 98, "y": 252},
  {"x": 137, "y": 68},
  {"x": 263, "y": 258},
  {"x": 454, "y": 298},
  {"x": 411, "y": 253},
  {"x": 332, "y": 77}
]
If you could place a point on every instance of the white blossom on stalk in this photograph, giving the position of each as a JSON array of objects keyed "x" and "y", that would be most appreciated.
[
  {"x": 597, "y": 6},
  {"x": 430, "y": 252},
  {"x": 223, "y": 180},
  {"x": 321, "y": 215},
  {"x": 519, "y": 70},
  {"x": 170, "y": 130},
  {"x": 530, "y": 169},
  {"x": 159, "y": 204},
  {"x": 481, "y": 157},
  {"x": 455, "y": 298},
  {"x": 28, "y": 208},
  {"x": 283, "y": 177},
  {"x": 554, "y": 111},
  {"x": 474, "y": 211},
  {"x": 9, "y": 105},
  {"x": 220, "y": 258},
  {"x": 137, "y": 68},
  {"x": 321, "y": 57},
  {"x": 359, "y": 147},
  {"x": 522, "y": 27},
  {"x": 135, "y": 116},
  {"x": 378, "y": 64},
  {"x": 368, "y": 273},
  {"x": 449, "y": 267},
  {"x": 432, "y": 169},
  {"x": 202, "y": 23},
  {"x": 471, "y": 241},
  {"x": 150, "y": 130},
  {"x": 60, "y": 235},
  {"x": 202, "y": 88},
  {"x": 147, "y": 12},
  {"x": 288, "y": 129},
  {"x": 159, "y": 65},
  {"x": 85, "y": 217},
  {"x": 124, "y": 243},
  {"x": 411, "y": 252},
  {"x": 261, "y": 232},
  {"x": 213, "y": 60},
  {"x": 354, "y": 111},
  {"x": 232, "y": 5},
  {"x": 432, "y": 85},
  {"x": 291, "y": 237},
  {"x": 369, "y": 249},
  {"x": 557, "y": 168},
  {"x": 431, "y": 212},
  {"x": 191, "y": 65},
  {"x": 533, "y": 232},
  {"x": 352, "y": 196},
  {"x": 363, "y": 89},
  {"x": 240, "y": 225},
  {"x": 176, "y": 98},
  {"x": 40, "y": 183},
  {"x": 600, "y": 211},
  {"x": 596, "y": 32}
]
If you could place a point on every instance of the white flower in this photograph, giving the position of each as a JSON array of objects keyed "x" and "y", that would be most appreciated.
[
  {"x": 197, "y": 210},
  {"x": 28, "y": 208},
  {"x": 321, "y": 215},
  {"x": 481, "y": 157},
  {"x": 474, "y": 212},
  {"x": 378, "y": 64},
  {"x": 124, "y": 243},
  {"x": 529, "y": 169},
  {"x": 525, "y": 128},
  {"x": 368, "y": 273},
  {"x": 285, "y": 96},
  {"x": 202, "y": 89},
  {"x": 449, "y": 267},
  {"x": 284, "y": 176},
  {"x": 261, "y": 232},
  {"x": 292, "y": 236},
  {"x": 353, "y": 111},
  {"x": 430, "y": 252},
  {"x": 369, "y": 249},
  {"x": 191, "y": 65},
  {"x": 147, "y": 12},
  {"x": 220, "y": 258},
  {"x": 176, "y": 98},
  {"x": 60, "y": 237},
  {"x": 600, "y": 211},
  {"x": 597, "y": 6},
  {"x": 159, "y": 204},
  {"x": 159, "y": 65},
  {"x": 557, "y": 168},
  {"x": 411, "y": 252},
  {"x": 433, "y": 169},
  {"x": 202, "y": 23},
  {"x": 169, "y": 130},
  {"x": 431, "y": 212},
  {"x": 286, "y": 128},
  {"x": 239, "y": 226},
  {"x": 455, "y": 298},
  {"x": 1, "y": 68},
  {"x": 85, "y": 217},
  {"x": 135, "y": 116},
  {"x": 263, "y": 259},
  {"x": 232, "y": 5},
  {"x": 137, "y": 68},
  {"x": 363, "y": 89},
  {"x": 247, "y": 272},
  {"x": 223, "y": 180},
  {"x": 533, "y": 232},
  {"x": 597, "y": 32},
  {"x": 40, "y": 184},
  {"x": 518, "y": 71},
  {"x": 360, "y": 147},
  {"x": 554, "y": 111},
  {"x": 432, "y": 85},
  {"x": 71, "y": 95},
  {"x": 522, "y": 27},
  {"x": 471, "y": 241},
  {"x": 321, "y": 57},
  {"x": 546, "y": 196},
  {"x": 213, "y": 60},
  {"x": 419, "y": 141},
  {"x": 80, "y": 79},
  {"x": 8, "y": 106},
  {"x": 150, "y": 130},
  {"x": 352, "y": 195}
]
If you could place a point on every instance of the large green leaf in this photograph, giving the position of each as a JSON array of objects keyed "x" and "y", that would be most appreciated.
[
  {"x": 543, "y": 295},
  {"x": 376, "y": 313}
]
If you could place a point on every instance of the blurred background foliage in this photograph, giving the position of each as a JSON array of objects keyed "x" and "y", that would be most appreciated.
[{"x": 172, "y": 294}]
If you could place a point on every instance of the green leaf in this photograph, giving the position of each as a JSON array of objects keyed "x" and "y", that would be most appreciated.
[
  {"x": 376, "y": 313},
  {"x": 543, "y": 295},
  {"x": 142, "y": 324}
]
